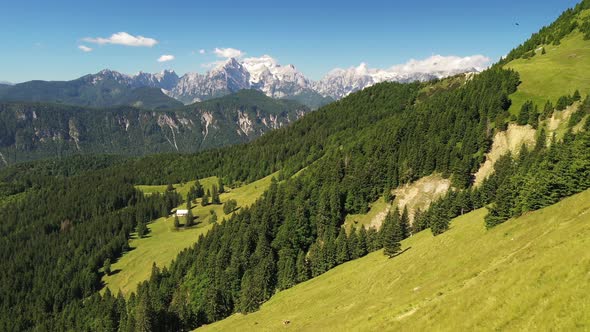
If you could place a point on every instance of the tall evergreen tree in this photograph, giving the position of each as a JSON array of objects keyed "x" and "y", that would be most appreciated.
[
  {"x": 303, "y": 271},
  {"x": 189, "y": 219},
  {"x": 391, "y": 234},
  {"x": 342, "y": 252},
  {"x": 362, "y": 247},
  {"x": 405, "y": 223}
]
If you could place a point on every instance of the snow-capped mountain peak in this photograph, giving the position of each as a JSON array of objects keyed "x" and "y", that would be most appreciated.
[{"x": 265, "y": 74}]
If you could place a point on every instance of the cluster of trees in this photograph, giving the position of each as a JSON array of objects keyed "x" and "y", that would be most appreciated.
[
  {"x": 230, "y": 206},
  {"x": 57, "y": 237}
]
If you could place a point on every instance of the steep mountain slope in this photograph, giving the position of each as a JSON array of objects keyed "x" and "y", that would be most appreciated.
[
  {"x": 554, "y": 62},
  {"x": 104, "y": 89},
  {"x": 527, "y": 274},
  {"x": 32, "y": 131}
]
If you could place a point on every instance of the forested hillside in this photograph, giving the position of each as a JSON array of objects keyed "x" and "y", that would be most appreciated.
[{"x": 39, "y": 130}]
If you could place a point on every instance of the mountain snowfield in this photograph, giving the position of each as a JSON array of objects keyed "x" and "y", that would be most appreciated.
[{"x": 285, "y": 81}]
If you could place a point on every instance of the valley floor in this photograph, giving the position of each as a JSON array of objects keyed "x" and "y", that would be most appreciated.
[{"x": 530, "y": 273}]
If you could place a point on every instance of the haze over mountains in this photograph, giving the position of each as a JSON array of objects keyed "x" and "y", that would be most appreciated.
[{"x": 275, "y": 80}]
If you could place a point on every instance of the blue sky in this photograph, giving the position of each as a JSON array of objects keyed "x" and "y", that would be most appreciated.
[{"x": 41, "y": 39}]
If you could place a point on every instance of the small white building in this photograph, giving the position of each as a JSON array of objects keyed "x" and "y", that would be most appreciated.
[{"x": 181, "y": 213}]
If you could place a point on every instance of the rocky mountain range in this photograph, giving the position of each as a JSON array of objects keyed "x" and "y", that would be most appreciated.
[
  {"x": 267, "y": 75},
  {"x": 31, "y": 131}
]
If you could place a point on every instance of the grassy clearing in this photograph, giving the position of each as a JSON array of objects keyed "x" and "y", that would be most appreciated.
[
  {"x": 565, "y": 68},
  {"x": 529, "y": 273},
  {"x": 377, "y": 212},
  {"x": 163, "y": 243},
  {"x": 181, "y": 188}
]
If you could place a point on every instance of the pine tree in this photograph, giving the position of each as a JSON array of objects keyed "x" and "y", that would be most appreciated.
[
  {"x": 107, "y": 266},
  {"x": 342, "y": 252},
  {"x": 189, "y": 219},
  {"x": 362, "y": 246},
  {"x": 221, "y": 187},
  {"x": 169, "y": 187},
  {"x": 391, "y": 234},
  {"x": 353, "y": 243},
  {"x": 142, "y": 229},
  {"x": 213, "y": 218},
  {"x": 287, "y": 270},
  {"x": 302, "y": 267},
  {"x": 405, "y": 223},
  {"x": 143, "y": 315},
  {"x": 188, "y": 205},
  {"x": 199, "y": 191},
  {"x": 576, "y": 96},
  {"x": 205, "y": 199},
  {"x": 176, "y": 222},
  {"x": 543, "y": 52},
  {"x": 215, "y": 195}
]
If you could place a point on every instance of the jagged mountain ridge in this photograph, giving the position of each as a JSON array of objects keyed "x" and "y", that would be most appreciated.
[{"x": 277, "y": 81}]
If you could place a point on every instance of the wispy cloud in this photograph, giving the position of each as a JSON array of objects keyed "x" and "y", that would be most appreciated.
[
  {"x": 228, "y": 52},
  {"x": 123, "y": 38},
  {"x": 84, "y": 48},
  {"x": 201, "y": 51},
  {"x": 166, "y": 57}
]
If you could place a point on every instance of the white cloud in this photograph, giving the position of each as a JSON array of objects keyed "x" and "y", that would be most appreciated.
[
  {"x": 166, "y": 57},
  {"x": 202, "y": 51},
  {"x": 228, "y": 52},
  {"x": 436, "y": 65},
  {"x": 84, "y": 48},
  {"x": 439, "y": 63},
  {"x": 123, "y": 38}
]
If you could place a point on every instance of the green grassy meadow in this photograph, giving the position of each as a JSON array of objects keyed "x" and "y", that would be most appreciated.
[
  {"x": 528, "y": 274},
  {"x": 163, "y": 242},
  {"x": 565, "y": 68}
]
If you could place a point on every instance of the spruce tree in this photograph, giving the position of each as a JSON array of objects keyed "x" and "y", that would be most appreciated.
[
  {"x": 189, "y": 219},
  {"x": 107, "y": 266},
  {"x": 362, "y": 246},
  {"x": 391, "y": 234},
  {"x": 141, "y": 230},
  {"x": 302, "y": 267},
  {"x": 405, "y": 223},
  {"x": 342, "y": 252},
  {"x": 221, "y": 187},
  {"x": 215, "y": 195},
  {"x": 205, "y": 200},
  {"x": 353, "y": 244}
]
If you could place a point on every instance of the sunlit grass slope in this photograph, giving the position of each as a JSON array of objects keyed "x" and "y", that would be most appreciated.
[
  {"x": 530, "y": 273},
  {"x": 565, "y": 68},
  {"x": 163, "y": 242}
]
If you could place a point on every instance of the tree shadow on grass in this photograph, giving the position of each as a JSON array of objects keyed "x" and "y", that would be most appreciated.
[
  {"x": 401, "y": 252},
  {"x": 116, "y": 271}
]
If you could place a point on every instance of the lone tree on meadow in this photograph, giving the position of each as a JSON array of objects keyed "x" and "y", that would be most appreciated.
[
  {"x": 189, "y": 219},
  {"x": 391, "y": 234}
]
